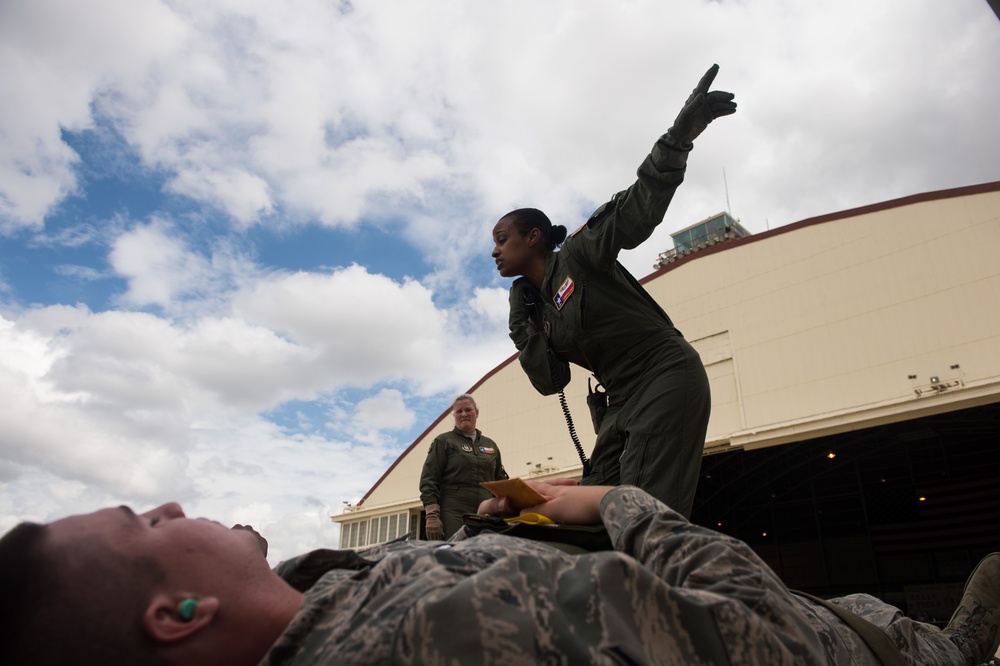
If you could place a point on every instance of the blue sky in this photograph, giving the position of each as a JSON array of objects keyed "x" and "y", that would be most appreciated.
[{"x": 244, "y": 246}]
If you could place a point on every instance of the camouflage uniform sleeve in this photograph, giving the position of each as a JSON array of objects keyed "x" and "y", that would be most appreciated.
[
  {"x": 633, "y": 517},
  {"x": 662, "y": 539},
  {"x": 757, "y": 618},
  {"x": 303, "y": 571}
]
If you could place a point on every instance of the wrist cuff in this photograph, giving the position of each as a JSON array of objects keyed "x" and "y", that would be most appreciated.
[{"x": 669, "y": 154}]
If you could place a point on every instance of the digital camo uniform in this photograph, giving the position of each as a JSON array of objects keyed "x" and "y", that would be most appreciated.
[
  {"x": 671, "y": 593},
  {"x": 453, "y": 470},
  {"x": 593, "y": 313}
]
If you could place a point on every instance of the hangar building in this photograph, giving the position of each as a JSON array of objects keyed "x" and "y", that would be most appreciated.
[{"x": 854, "y": 361}]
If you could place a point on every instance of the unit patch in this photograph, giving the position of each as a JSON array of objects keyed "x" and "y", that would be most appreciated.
[
  {"x": 466, "y": 448},
  {"x": 565, "y": 291}
]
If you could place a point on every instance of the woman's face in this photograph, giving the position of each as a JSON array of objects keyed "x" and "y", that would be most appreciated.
[
  {"x": 466, "y": 416},
  {"x": 513, "y": 251}
]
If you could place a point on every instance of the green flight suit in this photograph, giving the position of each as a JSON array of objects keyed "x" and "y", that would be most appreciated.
[
  {"x": 592, "y": 312},
  {"x": 453, "y": 470}
]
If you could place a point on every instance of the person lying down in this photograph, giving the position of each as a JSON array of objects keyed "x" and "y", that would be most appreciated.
[{"x": 116, "y": 587}]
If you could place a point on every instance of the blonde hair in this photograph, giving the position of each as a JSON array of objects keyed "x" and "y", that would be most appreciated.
[{"x": 465, "y": 396}]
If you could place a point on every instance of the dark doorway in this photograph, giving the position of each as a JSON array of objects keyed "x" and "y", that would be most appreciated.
[{"x": 901, "y": 511}]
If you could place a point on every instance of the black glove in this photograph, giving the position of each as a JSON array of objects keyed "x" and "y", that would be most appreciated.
[
  {"x": 701, "y": 108},
  {"x": 548, "y": 373},
  {"x": 523, "y": 296}
]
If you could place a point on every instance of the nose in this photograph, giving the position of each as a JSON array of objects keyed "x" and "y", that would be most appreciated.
[
  {"x": 496, "y": 251},
  {"x": 168, "y": 511}
]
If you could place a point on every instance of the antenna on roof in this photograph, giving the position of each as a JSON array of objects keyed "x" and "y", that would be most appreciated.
[{"x": 726, "y": 185}]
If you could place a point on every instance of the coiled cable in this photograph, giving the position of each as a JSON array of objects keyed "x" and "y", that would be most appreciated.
[{"x": 572, "y": 433}]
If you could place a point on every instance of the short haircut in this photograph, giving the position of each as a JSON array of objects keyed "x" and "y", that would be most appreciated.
[
  {"x": 76, "y": 604},
  {"x": 465, "y": 396}
]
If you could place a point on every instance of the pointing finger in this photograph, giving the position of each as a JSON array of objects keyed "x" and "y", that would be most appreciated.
[{"x": 706, "y": 81}]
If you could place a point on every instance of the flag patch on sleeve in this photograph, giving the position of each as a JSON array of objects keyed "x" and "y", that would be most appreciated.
[{"x": 565, "y": 291}]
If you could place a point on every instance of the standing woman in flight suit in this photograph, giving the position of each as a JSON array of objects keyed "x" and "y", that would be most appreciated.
[
  {"x": 457, "y": 462},
  {"x": 579, "y": 305}
]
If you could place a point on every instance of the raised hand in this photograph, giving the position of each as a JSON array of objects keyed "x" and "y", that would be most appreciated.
[{"x": 701, "y": 108}]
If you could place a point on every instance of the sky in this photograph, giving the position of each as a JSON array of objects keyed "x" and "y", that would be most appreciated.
[{"x": 245, "y": 245}]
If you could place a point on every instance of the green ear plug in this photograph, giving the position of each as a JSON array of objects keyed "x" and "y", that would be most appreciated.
[{"x": 186, "y": 609}]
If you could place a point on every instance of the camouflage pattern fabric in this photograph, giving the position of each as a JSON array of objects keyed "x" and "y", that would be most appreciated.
[{"x": 671, "y": 593}]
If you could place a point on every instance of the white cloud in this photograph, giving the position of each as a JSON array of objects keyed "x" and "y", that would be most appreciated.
[
  {"x": 428, "y": 120},
  {"x": 384, "y": 411},
  {"x": 491, "y": 306},
  {"x": 364, "y": 327},
  {"x": 56, "y": 58},
  {"x": 323, "y": 111},
  {"x": 158, "y": 266},
  {"x": 244, "y": 195},
  {"x": 74, "y": 429},
  {"x": 135, "y": 407}
]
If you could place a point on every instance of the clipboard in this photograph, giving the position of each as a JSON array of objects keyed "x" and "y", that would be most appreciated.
[{"x": 521, "y": 495}]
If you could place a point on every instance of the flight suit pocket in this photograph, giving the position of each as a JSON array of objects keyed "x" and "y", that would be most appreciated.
[{"x": 634, "y": 461}]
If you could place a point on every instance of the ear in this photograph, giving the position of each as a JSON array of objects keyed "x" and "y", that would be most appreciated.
[
  {"x": 534, "y": 235},
  {"x": 164, "y": 624}
]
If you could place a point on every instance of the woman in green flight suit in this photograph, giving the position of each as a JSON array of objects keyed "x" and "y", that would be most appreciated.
[
  {"x": 457, "y": 462},
  {"x": 579, "y": 305}
]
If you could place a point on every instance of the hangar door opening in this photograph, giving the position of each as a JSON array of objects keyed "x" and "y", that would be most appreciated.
[{"x": 901, "y": 511}]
